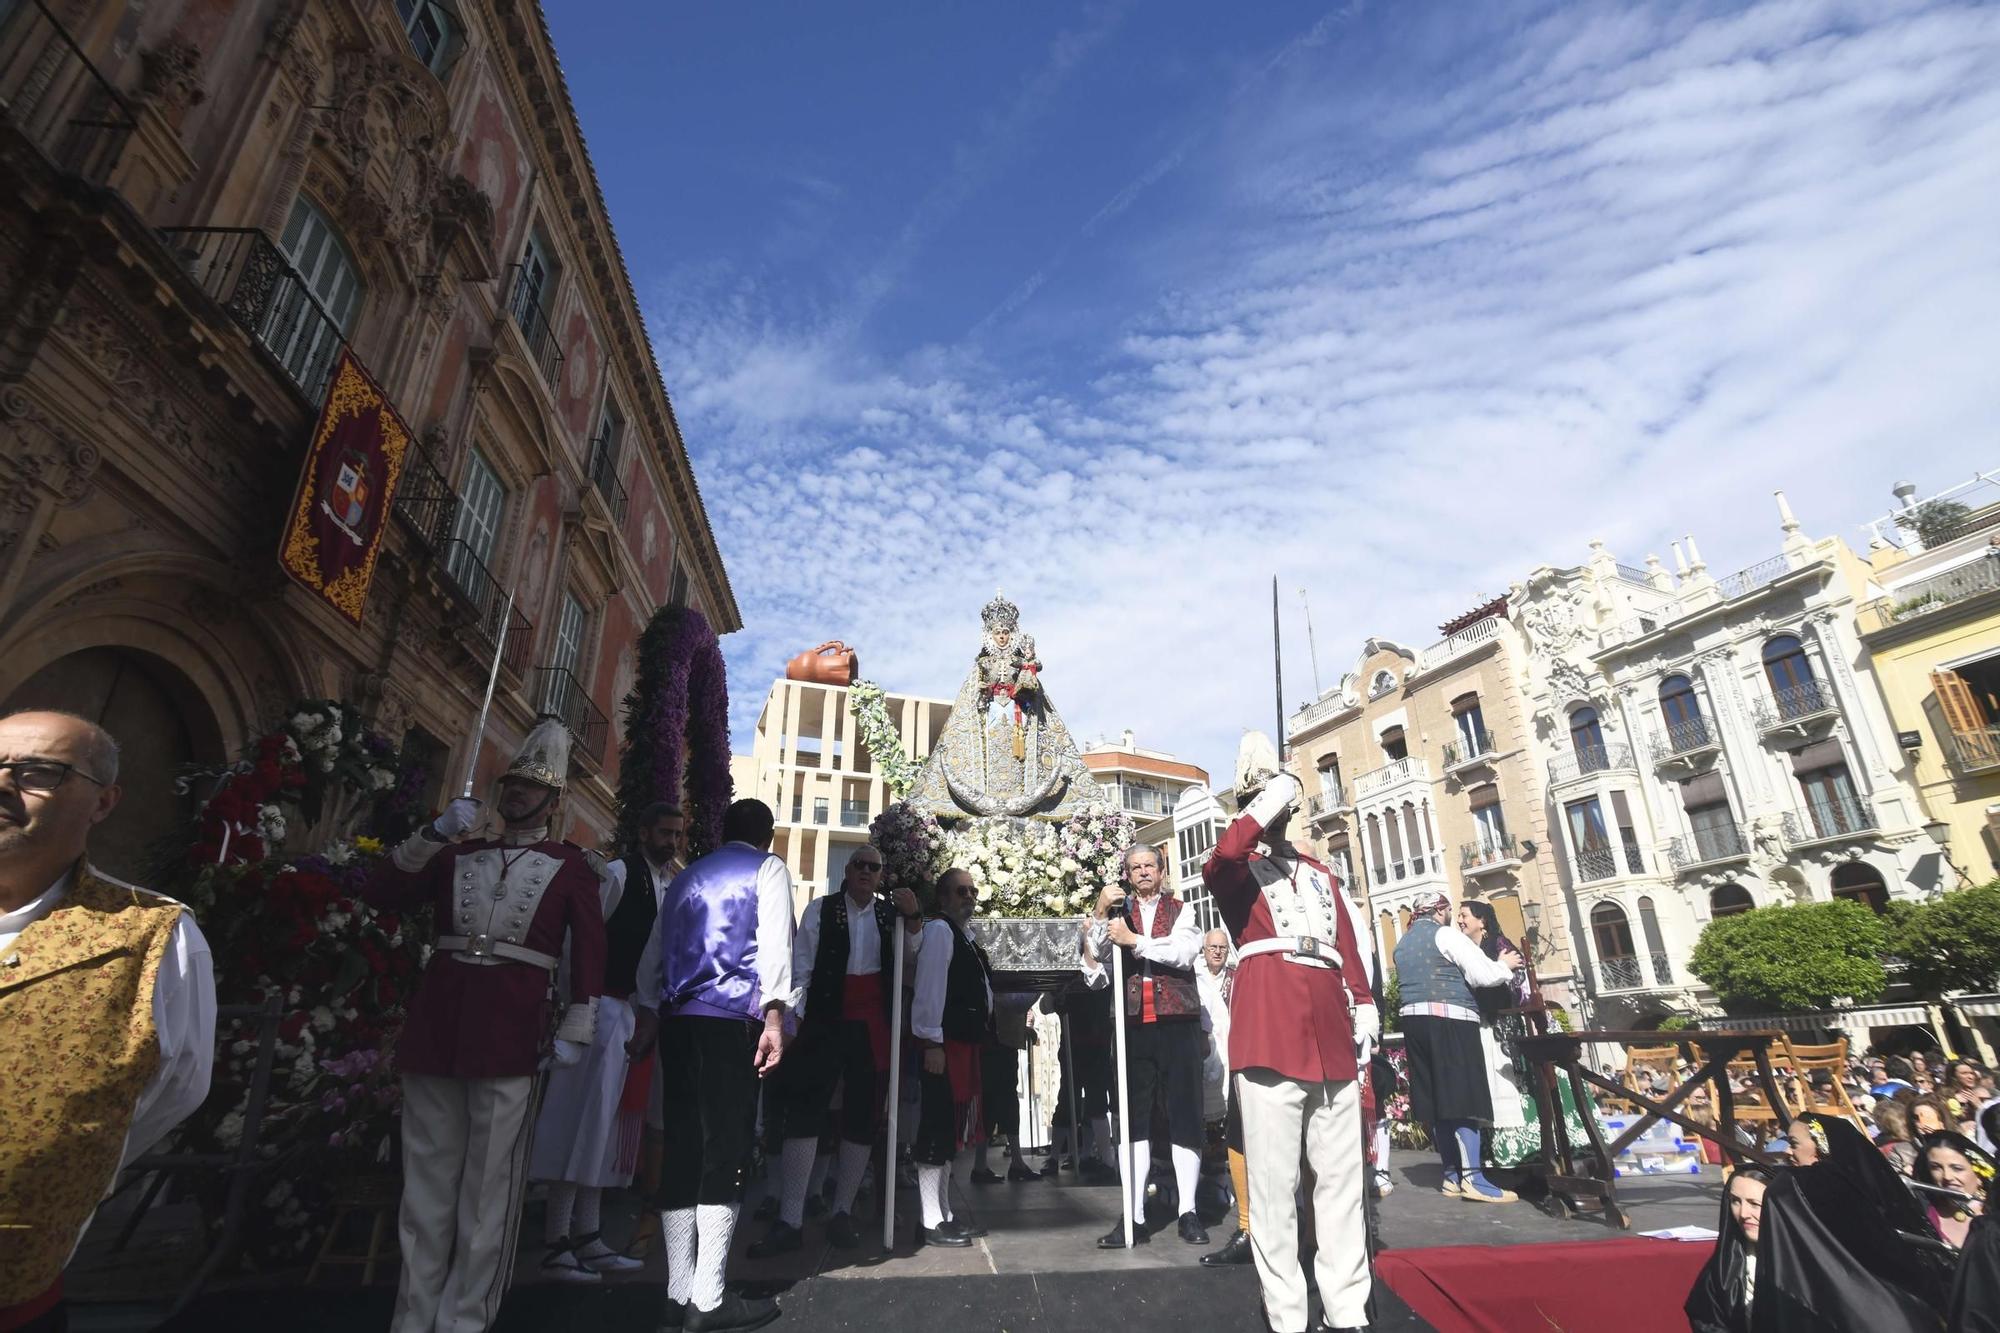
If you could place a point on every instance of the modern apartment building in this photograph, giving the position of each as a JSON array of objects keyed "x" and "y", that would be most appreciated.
[
  {"x": 203, "y": 206},
  {"x": 1420, "y": 774},
  {"x": 1143, "y": 783},
  {"x": 808, "y": 764},
  {"x": 1185, "y": 839},
  {"x": 1710, "y": 745},
  {"x": 1932, "y": 628}
]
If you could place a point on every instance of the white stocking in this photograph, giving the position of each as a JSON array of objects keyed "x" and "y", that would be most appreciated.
[
  {"x": 930, "y": 1191},
  {"x": 588, "y": 1200},
  {"x": 1187, "y": 1171},
  {"x": 677, "y": 1244},
  {"x": 714, "y": 1224},
  {"x": 1382, "y": 1144},
  {"x": 1138, "y": 1165},
  {"x": 847, "y": 1177},
  {"x": 555, "y": 1222},
  {"x": 944, "y": 1188},
  {"x": 797, "y": 1163},
  {"x": 822, "y": 1164}
]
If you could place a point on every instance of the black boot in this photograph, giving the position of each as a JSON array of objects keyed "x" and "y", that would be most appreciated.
[
  {"x": 782, "y": 1238},
  {"x": 735, "y": 1315}
]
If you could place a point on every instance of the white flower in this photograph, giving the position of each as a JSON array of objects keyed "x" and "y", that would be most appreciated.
[
  {"x": 229, "y": 1133},
  {"x": 303, "y": 721},
  {"x": 322, "y": 1018},
  {"x": 384, "y": 778},
  {"x": 270, "y": 823}
]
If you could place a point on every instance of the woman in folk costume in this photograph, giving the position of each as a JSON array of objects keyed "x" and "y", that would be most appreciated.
[
  {"x": 1723, "y": 1290},
  {"x": 479, "y": 1028}
]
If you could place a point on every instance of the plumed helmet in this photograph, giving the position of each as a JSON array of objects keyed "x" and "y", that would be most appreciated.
[
  {"x": 544, "y": 756},
  {"x": 1256, "y": 764}
]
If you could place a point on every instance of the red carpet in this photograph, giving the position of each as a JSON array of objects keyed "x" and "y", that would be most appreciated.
[{"x": 1630, "y": 1284}]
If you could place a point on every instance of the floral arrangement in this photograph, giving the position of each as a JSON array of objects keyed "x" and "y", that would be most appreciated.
[
  {"x": 1023, "y": 867},
  {"x": 866, "y": 701},
  {"x": 677, "y": 729},
  {"x": 1403, "y": 1131},
  {"x": 290, "y": 925},
  {"x": 913, "y": 849}
]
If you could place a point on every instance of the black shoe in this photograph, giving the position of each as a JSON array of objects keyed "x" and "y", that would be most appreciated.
[
  {"x": 842, "y": 1231},
  {"x": 1050, "y": 1168},
  {"x": 960, "y": 1227},
  {"x": 736, "y": 1313},
  {"x": 1095, "y": 1172},
  {"x": 674, "y": 1315},
  {"x": 1235, "y": 1250},
  {"x": 780, "y": 1239},
  {"x": 1114, "y": 1239},
  {"x": 1323, "y": 1327},
  {"x": 1022, "y": 1173},
  {"x": 766, "y": 1210},
  {"x": 944, "y": 1236},
  {"x": 981, "y": 1176},
  {"x": 1192, "y": 1230}
]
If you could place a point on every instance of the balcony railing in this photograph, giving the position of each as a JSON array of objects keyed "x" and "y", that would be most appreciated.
[
  {"x": 1978, "y": 750},
  {"x": 1410, "y": 769},
  {"x": 1472, "y": 751},
  {"x": 425, "y": 501},
  {"x": 1323, "y": 804},
  {"x": 1753, "y": 578},
  {"x": 536, "y": 331},
  {"x": 563, "y": 697},
  {"x": 604, "y": 474},
  {"x": 1595, "y": 863},
  {"x": 1631, "y": 973},
  {"x": 250, "y": 277},
  {"x": 54, "y": 96},
  {"x": 1460, "y": 643},
  {"x": 1581, "y": 763},
  {"x": 1683, "y": 740},
  {"x": 1330, "y": 702},
  {"x": 853, "y": 815},
  {"x": 1934, "y": 594},
  {"x": 1484, "y": 854},
  {"x": 1626, "y": 630},
  {"x": 1794, "y": 704},
  {"x": 1708, "y": 845},
  {"x": 1830, "y": 821},
  {"x": 486, "y": 601}
]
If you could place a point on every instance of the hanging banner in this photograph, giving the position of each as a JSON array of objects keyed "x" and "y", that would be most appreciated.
[{"x": 349, "y": 481}]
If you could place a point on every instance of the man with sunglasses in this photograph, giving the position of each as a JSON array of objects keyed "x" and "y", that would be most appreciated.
[
  {"x": 839, "y": 960},
  {"x": 109, "y": 994},
  {"x": 951, "y": 1020}
]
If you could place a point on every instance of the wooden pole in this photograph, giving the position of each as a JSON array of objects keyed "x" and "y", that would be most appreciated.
[{"x": 895, "y": 1100}]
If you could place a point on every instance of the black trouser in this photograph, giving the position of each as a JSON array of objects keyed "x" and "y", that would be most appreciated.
[
  {"x": 1164, "y": 1059},
  {"x": 1000, "y": 1090},
  {"x": 708, "y": 1101},
  {"x": 803, "y": 1091},
  {"x": 939, "y": 1120}
]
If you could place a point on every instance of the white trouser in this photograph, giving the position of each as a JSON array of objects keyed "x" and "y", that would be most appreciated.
[
  {"x": 465, "y": 1148},
  {"x": 1278, "y": 1114}
]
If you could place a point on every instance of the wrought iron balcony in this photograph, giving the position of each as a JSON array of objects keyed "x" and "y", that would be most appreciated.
[
  {"x": 1484, "y": 856},
  {"x": 1595, "y": 863},
  {"x": 536, "y": 331},
  {"x": 425, "y": 501},
  {"x": 1464, "y": 753},
  {"x": 252, "y": 280},
  {"x": 1328, "y": 804},
  {"x": 1588, "y": 760},
  {"x": 1631, "y": 973},
  {"x": 604, "y": 474},
  {"x": 1753, "y": 578},
  {"x": 486, "y": 603},
  {"x": 853, "y": 815},
  {"x": 1934, "y": 594},
  {"x": 1684, "y": 742},
  {"x": 1977, "y": 751},
  {"x": 1830, "y": 821},
  {"x": 1792, "y": 707},
  {"x": 562, "y": 696},
  {"x": 53, "y": 95},
  {"x": 1712, "y": 844}
]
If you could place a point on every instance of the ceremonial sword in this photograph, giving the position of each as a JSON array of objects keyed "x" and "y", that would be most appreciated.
[{"x": 492, "y": 679}]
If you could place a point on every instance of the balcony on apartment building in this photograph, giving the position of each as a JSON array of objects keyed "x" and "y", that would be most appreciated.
[
  {"x": 1685, "y": 744},
  {"x": 425, "y": 502},
  {"x": 1709, "y": 845},
  {"x": 1634, "y": 973},
  {"x": 1829, "y": 821},
  {"x": 1926, "y": 597},
  {"x": 491, "y": 611},
  {"x": 1600, "y": 861},
  {"x": 533, "y": 321},
  {"x": 1488, "y": 856},
  {"x": 854, "y": 814},
  {"x": 1464, "y": 755},
  {"x": 1394, "y": 774},
  {"x": 561, "y": 695},
  {"x": 1328, "y": 805},
  {"x": 1459, "y": 643},
  {"x": 56, "y": 98},
  {"x": 1585, "y": 763},
  {"x": 1977, "y": 750},
  {"x": 1795, "y": 707},
  {"x": 604, "y": 472},
  {"x": 269, "y": 299}
]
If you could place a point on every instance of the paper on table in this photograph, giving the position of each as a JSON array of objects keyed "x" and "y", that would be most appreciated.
[{"x": 1682, "y": 1233}]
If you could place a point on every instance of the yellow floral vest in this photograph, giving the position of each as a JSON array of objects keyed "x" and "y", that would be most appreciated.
[{"x": 77, "y": 1045}]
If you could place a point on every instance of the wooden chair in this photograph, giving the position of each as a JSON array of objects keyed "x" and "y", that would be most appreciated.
[{"x": 1830, "y": 1059}]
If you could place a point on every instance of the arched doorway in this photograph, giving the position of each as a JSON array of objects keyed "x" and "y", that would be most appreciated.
[
  {"x": 1862, "y": 883},
  {"x": 1730, "y": 899},
  {"x": 161, "y": 724},
  {"x": 1611, "y": 934}
]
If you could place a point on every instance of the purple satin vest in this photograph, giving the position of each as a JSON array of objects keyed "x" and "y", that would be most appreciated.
[{"x": 708, "y": 934}]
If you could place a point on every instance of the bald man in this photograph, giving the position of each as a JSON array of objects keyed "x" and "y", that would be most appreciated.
[{"x": 107, "y": 997}]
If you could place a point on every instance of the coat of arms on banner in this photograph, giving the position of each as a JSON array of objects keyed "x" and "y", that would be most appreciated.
[{"x": 345, "y": 490}]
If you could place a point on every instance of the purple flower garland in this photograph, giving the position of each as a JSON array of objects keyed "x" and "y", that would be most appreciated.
[{"x": 677, "y": 728}]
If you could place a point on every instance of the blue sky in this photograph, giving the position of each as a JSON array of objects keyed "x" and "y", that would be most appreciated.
[{"x": 1124, "y": 308}]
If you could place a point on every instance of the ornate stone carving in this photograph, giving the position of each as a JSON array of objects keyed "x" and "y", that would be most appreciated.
[
  {"x": 37, "y": 457},
  {"x": 170, "y": 78},
  {"x": 1568, "y": 682},
  {"x": 97, "y": 589},
  {"x": 1554, "y": 624}
]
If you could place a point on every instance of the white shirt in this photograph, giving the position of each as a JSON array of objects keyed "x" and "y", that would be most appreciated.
[
  {"x": 183, "y": 1015},
  {"x": 934, "y": 953},
  {"x": 864, "y": 945},
  {"x": 1215, "y": 1020},
  {"x": 1470, "y": 959},
  {"x": 1179, "y": 947},
  {"x": 774, "y": 941}
]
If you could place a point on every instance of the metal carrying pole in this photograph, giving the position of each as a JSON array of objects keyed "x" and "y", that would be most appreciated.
[
  {"x": 895, "y": 1101},
  {"x": 1278, "y": 671},
  {"x": 492, "y": 679},
  {"x": 1069, "y": 1086},
  {"x": 1125, "y": 1177}
]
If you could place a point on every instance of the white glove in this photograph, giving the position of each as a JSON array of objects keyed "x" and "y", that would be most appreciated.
[
  {"x": 1280, "y": 794},
  {"x": 457, "y": 818},
  {"x": 1367, "y": 1023},
  {"x": 568, "y": 1053}
]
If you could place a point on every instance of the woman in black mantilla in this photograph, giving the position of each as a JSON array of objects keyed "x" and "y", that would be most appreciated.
[{"x": 1721, "y": 1299}]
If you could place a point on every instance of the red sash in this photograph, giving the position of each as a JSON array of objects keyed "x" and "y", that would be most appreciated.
[
  {"x": 861, "y": 1002},
  {"x": 630, "y": 1121},
  {"x": 961, "y": 1066}
]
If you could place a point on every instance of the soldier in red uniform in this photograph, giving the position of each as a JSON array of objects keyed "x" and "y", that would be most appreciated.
[
  {"x": 479, "y": 1028},
  {"x": 1299, "y": 1009}
]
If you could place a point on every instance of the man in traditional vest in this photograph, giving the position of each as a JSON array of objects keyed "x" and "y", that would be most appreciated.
[
  {"x": 841, "y": 965},
  {"x": 594, "y": 1112},
  {"x": 478, "y": 1029},
  {"x": 716, "y": 982},
  {"x": 951, "y": 1020},
  {"x": 107, "y": 1003},
  {"x": 1164, "y": 1046},
  {"x": 1299, "y": 1011},
  {"x": 1436, "y": 969}
]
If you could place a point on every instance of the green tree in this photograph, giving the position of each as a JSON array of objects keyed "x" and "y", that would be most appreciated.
[
  {"x": 1937, "y": 521},
  {"x": 1392, "y": 1002},
  {"x": 1950, "y": 943},
  {"x": 1793, "y": 957}
]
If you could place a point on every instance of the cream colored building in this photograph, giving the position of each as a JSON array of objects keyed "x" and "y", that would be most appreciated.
[
  {"x": 1419, "y": 775},
  {"x": 808, "y": 764}
]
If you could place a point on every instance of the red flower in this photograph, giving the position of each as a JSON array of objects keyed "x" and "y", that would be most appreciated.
[{"x": 291, "y": 1026}]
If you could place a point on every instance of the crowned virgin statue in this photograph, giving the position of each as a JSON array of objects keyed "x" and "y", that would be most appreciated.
[{"x": 1004, "y": 751}]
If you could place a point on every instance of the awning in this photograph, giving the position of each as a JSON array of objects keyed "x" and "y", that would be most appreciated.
[
  {"x": 1849, "y": 1020},
  {"x": 1978, "y": 1006}
]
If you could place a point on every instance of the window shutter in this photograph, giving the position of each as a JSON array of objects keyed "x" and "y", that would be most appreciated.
[
  {"x": 1621, "y": 809},
  {"x": 1955, "y": 697},
  {"x": 1485, "y": 794},
  {"x": 1823, "y": 754}
]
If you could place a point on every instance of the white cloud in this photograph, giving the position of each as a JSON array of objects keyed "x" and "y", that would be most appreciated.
[{"x": 1639, "y": 272}]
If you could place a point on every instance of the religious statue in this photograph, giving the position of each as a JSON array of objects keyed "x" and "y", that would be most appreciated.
[{"x": 1003, "y": 750}]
